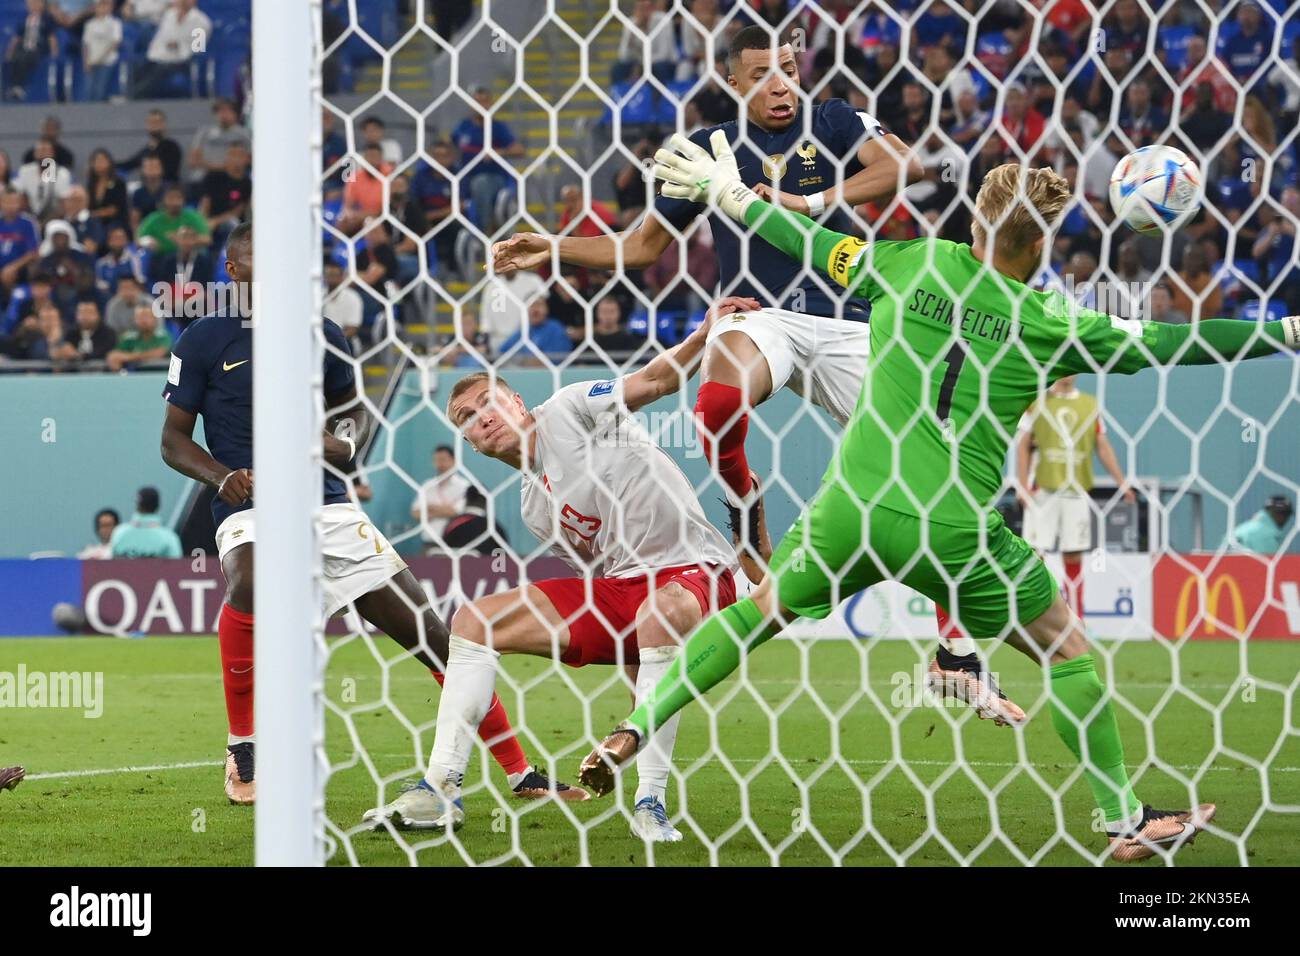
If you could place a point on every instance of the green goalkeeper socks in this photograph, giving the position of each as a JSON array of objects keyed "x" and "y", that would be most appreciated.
[
  {"x": 711, "y": 654},
  {"x": 1076, "y": 692}
]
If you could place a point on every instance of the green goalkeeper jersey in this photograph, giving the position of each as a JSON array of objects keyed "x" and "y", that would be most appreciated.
[{"x": 958, "y": 353}]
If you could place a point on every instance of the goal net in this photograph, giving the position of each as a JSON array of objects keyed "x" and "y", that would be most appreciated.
[{"x": 450, "y": 126}]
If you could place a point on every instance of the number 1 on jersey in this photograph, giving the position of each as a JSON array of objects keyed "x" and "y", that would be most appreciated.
[{"x": 955, "y": 359}]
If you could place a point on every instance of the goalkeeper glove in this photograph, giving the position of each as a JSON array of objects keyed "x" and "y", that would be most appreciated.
[{"x": 689, "y": 172}]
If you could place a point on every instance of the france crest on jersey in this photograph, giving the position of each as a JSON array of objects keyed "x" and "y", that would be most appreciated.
[{"x": 801, "y": 159}]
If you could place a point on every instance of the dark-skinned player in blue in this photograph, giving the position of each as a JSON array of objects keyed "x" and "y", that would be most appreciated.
[
  {"x": 211, "y": 376},
  {"x": 818, "y": 160}
]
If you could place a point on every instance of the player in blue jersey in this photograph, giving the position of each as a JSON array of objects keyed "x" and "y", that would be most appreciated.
[
  {"x": 211, "y": 376},
  {"x": 822, "y": 159}
]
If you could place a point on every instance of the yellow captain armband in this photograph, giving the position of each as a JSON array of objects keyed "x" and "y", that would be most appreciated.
[{"x": 844, "y": 256}]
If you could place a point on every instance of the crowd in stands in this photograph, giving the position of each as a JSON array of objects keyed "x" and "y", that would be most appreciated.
[
  {"x": 107, "y": 262},
  {"x": 115, "y": 233},
  {"x": 94, "y": 50}
]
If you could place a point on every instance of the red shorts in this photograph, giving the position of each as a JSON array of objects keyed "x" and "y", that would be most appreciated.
[{"x": 598, "y": 626}]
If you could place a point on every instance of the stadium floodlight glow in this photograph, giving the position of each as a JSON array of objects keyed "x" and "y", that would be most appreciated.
[{"x": 287, "y": 427}]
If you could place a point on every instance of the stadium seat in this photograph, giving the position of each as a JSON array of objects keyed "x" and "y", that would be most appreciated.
[
  {"x": 330, "y": 212},
  {"x": 1252, "y": 311},
  {"x": 1227, "y": 30},
  {"x": 379, "y": 19},
  {"x": 668, "y": 326},
  {"x": 635, "y": 104},
  {"x": 680, "y": 90},
  {"x": 668, "y": 106},
  {"x": 220, "y": 11},
  {"x": 1174, "y": 40},
  {"x": 1247, "y": 268},
  {"x": 44, "y": 87},
  {"x": 638, "y": 323},
  {"x": 233, "y": 50},
  {"x": 1220, "y": 270},
  {"x": 666, "y": 110}
]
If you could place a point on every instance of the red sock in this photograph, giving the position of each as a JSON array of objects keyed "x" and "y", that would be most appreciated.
[
  {"x": 948, "y": 629},
  {"x": 497, "y": 733},
  {"x": 718, "y": 424},
  {"x": 1074, "y": 586},
  {"x": 235, "y": 637}
]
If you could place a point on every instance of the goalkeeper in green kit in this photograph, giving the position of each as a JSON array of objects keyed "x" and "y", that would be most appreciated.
[{"x": 960, "y": 347}]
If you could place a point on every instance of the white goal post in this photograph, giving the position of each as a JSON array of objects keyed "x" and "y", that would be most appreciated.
[{"x": 287, "y": 420}]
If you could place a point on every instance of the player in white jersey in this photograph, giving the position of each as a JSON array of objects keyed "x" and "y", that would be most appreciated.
[{"x": 649, "y": 565}]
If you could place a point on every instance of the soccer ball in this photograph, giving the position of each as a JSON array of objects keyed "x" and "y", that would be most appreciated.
[
  {"x": 1155, "y": 188},
  {"x": 69, "y": 617}
]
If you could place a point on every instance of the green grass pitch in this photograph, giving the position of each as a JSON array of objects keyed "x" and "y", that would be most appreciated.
[{"x": 141, "y": 784}]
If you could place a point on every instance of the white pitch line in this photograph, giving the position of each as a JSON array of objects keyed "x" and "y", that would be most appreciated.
[
  {"x": 681, "y": 761},
  {"x": 111, "y": 770}
]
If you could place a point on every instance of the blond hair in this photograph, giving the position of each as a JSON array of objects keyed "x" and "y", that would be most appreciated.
[
  {"x": 468, "y": 382},
  {"x": 1017, "y": 205}
]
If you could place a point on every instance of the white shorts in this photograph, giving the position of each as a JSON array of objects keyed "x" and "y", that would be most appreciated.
[
  {"x": 820, "y": 358},
  {"x": 1066, "y": 515},
  {"x": 356, "y": 557}
]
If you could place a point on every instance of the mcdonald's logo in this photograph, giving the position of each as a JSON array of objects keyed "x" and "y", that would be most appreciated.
[{"x": 1186, "y": 597}]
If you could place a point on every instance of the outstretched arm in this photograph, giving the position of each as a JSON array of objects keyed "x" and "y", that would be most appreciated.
[
  {"x": 1127, "y": 346},
  {"x": 673, "y": 368},
  {"x": 836, "y": 253},
  {"x": 530, "y": 250},
  {"x": 691, "y": 173}
]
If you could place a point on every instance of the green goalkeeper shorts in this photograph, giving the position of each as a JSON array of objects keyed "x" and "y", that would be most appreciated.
[{"x": 840, "y": 546}]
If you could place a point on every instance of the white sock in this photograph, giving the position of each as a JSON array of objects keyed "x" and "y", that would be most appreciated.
[
  {"x": 960, "y": 646},
  {"x": 655, "y": 762},
  {"x": 231, "y": 740},
  {"x": 466, "y": 696},
  {"x": 515, "y": 779},
  {"x": 1128, "y": 825}
]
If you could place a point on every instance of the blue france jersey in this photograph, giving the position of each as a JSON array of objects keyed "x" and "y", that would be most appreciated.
[
  {"x": 211, "y": 375},
  {"x": 797, "y": 158}
]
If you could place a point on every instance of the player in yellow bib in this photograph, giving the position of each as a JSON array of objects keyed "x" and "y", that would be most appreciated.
[
  {"x": 1067, "y": 429},
  {"x": 960, "y": 347}
]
